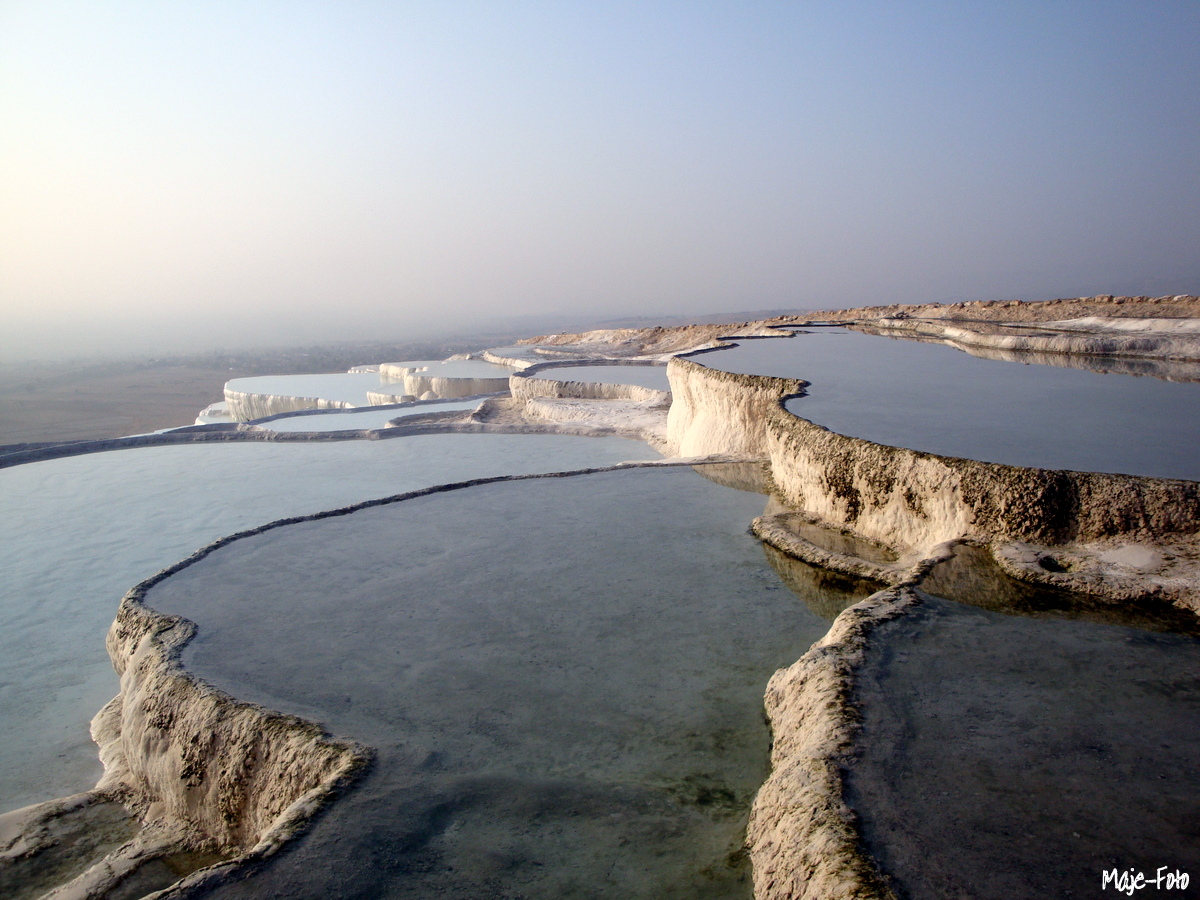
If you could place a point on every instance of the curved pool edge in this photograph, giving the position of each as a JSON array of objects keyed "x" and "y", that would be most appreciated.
[
  {"x": 907, "y": 497},
  {"x": 803, "y": 837},
  {"x": 202, "y": 771}
]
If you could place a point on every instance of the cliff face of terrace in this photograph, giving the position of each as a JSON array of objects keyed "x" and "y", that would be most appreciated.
[
  {"x": 905, "y": 497},
  {"x": 803, "y": 836},
  {"x": 245, "y": 406}
]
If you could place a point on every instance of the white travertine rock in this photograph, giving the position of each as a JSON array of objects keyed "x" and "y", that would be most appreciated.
[
  {"x": 905, "y": 498},
  {"x": 526, "y": 387},
  {"x": 1174, "y": 339},
  {"x": 244, "y": 406},
  {"x": 803, "y": 837}
]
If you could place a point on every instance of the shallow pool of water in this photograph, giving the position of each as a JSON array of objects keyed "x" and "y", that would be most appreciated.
[
  {"x": 931, "y": 397},
  {"x": 1003, "y": 756},
  {"x": 654, "y": 377},
  {"x": 343, "y": 387},
  {"x": 556, "y": 716},
  {"x": 78, "y": 532},
  {"x": 370, "y": 419}
]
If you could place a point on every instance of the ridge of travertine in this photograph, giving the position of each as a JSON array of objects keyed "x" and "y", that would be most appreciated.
[
  {"x": 244, "y": 406},
  {"x": 681, "y": 338},
  {"x": 915, "y": 501},
  {"x": 1120, "y": 537},
  {"x": 203, "y": 773},
  {"x": 802, "y": 836}
]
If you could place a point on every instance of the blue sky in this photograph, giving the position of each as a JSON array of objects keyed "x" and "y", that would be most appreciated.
[{"x": 220, "y": 174}]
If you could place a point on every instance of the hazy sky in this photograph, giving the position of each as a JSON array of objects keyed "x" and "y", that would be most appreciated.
[{"x": 228, "y": 173}]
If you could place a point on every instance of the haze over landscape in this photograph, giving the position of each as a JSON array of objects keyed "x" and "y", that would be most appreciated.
[
  {"x": 187, "y": 176},
  {"x": 648, "y": 450}
]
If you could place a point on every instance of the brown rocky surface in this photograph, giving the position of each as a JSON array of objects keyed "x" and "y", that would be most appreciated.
[{"x": 674, "y": 339}]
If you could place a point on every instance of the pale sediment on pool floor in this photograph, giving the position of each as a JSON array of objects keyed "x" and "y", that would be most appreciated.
[
  {"x": 806, "y": 537},
  {"x": 1005, "y": 755},
  {"x": 195, "y": 781},
  {"x": 202, "y": 770},
  {"x": 1121, "y": 570},
  {"x": 803, "y": 837},
  {"x": 204, "y": 774}
]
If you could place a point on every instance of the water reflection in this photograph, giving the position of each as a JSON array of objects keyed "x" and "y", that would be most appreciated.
[
  {"x": 824, "y": 592},
  {"x": 1166, "y": 369},
  {"x": 931, "y": 397},
  {"x": 753, "y": 477},
  {"x": 971, "y": 576}
]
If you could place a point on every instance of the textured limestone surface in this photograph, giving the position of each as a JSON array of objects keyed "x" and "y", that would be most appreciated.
[
  {"x": 542, "y": 712},
  {"x": 861, "y": 509},
  {"x": 906, "y": 498},
  {"x": 1125, "y": 539},
  {"x": 244, "y": 406},
  {"x": 803, "y": 836},
  {"x": 1167, "y": 339},
  {"x": 441, "y": 379}
]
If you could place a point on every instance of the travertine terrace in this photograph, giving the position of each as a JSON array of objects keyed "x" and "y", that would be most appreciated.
[{"x": 202, "y": 771}]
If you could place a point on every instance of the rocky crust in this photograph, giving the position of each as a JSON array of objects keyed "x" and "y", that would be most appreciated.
[
  {"x": 1174, "y": 307},
  {"x": 244, "y": 406},
  {"x": 428, "y": 385},
  {"x": 1163, "y": 339},
  {"x": 907, "y": 498},
  {"x": 526, "y": 385},
  {"x": 684, "y": 338},
  {"x": 206, "y": 772},
  {"x": 803, "y": 838}
]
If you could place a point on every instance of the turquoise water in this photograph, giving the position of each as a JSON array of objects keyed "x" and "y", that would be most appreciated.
[
  {"x": 931, "y": 397},
  {"x": 78, "y": 532},
  {"x": 337, "y": 420},
  {"x": 556, "y": 715}
]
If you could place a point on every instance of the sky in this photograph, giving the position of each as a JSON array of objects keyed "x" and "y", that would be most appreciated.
[{"x": 184, "y": 176}]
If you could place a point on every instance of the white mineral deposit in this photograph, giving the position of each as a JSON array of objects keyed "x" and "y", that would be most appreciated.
[{"x": 499, "y": 658}]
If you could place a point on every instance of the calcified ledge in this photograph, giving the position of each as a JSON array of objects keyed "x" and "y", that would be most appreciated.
[
  {"x": 434, "y": 423},
  {"x": 909, "y": 498},
  {"x": 245, "y": 406},
  {"x": 1157, "y": 339},
  {"x": 525, "y": 385},
  {"x": 803, "y": 838},
  {"x": 201, "y": 770}
]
